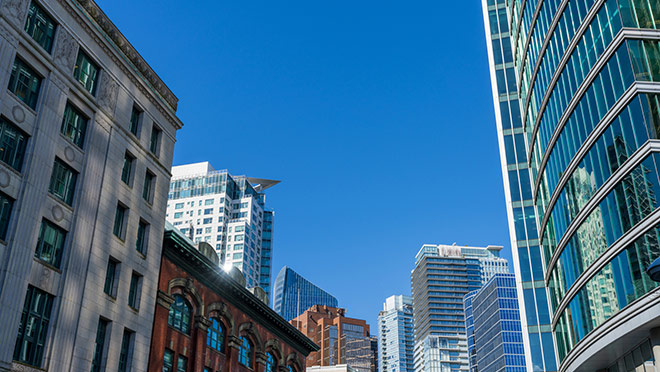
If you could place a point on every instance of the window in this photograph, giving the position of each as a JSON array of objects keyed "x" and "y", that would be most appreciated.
[
  {"x": 245, "y": 352},
  {"x": 119, "y": 228},
  {"x": 111, "y": 273},
  {"x": 149, "y": 182},
  {"x": 135, "y": 291},
  {"x": 142, "y": 237},
  {"x": 24, "y": 83},
  {"x": 207, "y": 221},
  {"x": 168, "y": 361},
  {"x": 178, "y": 206},
  {"x": 40, "y": 26},
  {"x": 50, "y": 244},
  {"x": 136, "y": 115},
  {"x": 179, "y": 317},
  {"x": 178, "y": 214},
  {"x": 63, "y": 181},
  {"x": 270, "y": 363},
  {"x": 74, "y": 125},
  {"x": 215, "y": 336},
  {"x": 126, "y": 348},
  {"x": 6, "y": 205},
  {"x": 208, "y": 211},
  {"x": 86, "y": 72},
  {"x": 208, "y": 202},
  {"x": 181, "y": 363},
  {"x": 291, "y": 368},
  {"x": 33, "y": 327},
  {"x": 154, "y": 144},
  {"x": 127, "y": 169},
  {"x": 99, "y": 346},
  {"x": 12, "y": 145}
]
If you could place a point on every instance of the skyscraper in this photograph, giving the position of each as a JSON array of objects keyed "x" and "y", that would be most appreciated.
[
  {"x": 229, "y": 213},
  {"x": 495, "y": 341},
  {"x": 525, "y": 247},
  {"x": 87, "y": 131},
  {"x": 293, "y": 294},
  {"x": 395, "y": 335},
  {"x": 442, "y": 276},
  {"x": 587, "y": 74}
]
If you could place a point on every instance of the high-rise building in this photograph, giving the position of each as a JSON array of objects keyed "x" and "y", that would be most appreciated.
[
  {"x": 293, "y": 294},
  {"x": 492, "y": 313},
  {"x": 442, "y": 276},
  {"x": 342, "y": 340},
  {"x": 587, "y": 75},
  {"x": 395, "y": 335},
  {"x": 87, "y": 131},
  {"x": 229, "y": 213},
  {"x": 524, "y": 238}
]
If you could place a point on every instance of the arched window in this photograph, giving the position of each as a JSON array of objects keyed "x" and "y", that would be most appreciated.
[
  {"x": 270, "y": 363},
  {"x": 291, "y": 368},
  {"x": 245, "y": 353},
  {"x": 179, "y": 317},
  {"x": 215, "y": 337}
]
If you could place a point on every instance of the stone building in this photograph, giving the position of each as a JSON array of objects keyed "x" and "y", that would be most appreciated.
[
  {"x": 87, "y": 131},
  {"x": 206, "y": 320}
]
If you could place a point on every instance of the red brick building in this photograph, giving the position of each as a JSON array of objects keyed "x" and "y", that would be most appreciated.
[{"x": 207, "y": 321}]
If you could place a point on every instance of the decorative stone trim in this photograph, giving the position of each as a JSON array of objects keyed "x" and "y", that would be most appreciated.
[
  {"x": 234, "y": 342},
  {"x": 202, "y": 322},
  {"x": 221, "y": 309},
  {"x": 249, "y": 329},
  {"x": 260, "y": 357},
  {"x": 164, "y": 300}
]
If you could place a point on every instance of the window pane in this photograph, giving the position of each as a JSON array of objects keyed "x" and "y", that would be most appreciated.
[
  {"x": 135, "y": 120},
  {"x": 6, "y": 205},
  {"x": 40, "y": 27},
  {"x": 50, "y": 244},
  {"x": 120, "y": 215},
  {"x": 33, "y": 328},
  {"x": 63, "y": 181},
  {"x": 12, "y": 145},
  {"x": 99, "y": 345},
  {"x": 74, "y": 125},
  {"x": 86, "y": 72},
  {"x": 24, "y": 83}
]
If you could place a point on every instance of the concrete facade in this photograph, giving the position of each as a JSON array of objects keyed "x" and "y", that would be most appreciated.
[{"x": 74, "y": 283}]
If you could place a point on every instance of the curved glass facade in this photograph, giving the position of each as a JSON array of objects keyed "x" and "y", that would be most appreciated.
[
  {"x": 293, "y": 294},
  {"x": 590, "y": 117}
]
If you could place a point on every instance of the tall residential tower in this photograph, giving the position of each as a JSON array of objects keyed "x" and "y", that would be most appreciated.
[
  {"x": 395, "y": 335},
  {"x": 293, "y": 294},
  {"x": 229, "y": 213},
  {"x": 443, "y": 275},
  {"x": 587, "y": 75}
]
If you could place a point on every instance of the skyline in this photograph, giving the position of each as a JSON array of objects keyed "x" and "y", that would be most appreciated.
[{"x": 397, "y": 96}]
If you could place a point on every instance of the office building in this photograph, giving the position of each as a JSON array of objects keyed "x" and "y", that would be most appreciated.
[
  {"x": 587, "y": 77},
  {"x": 206, "y": 320},
  {"x": 293, "y": 294},
  {"x": 496, "y": 343},
  {"x": 524, "y": 238},
  {"x": 229, "y": 213},
  {"x": 395, "y": 335},
  {"x": 87, "y": 131},
  {"x": 342, "y": 340},
  {"x": 442, "y": 276}
]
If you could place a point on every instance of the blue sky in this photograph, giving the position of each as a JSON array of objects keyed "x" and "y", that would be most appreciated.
[{"x": 376, "y": 115}]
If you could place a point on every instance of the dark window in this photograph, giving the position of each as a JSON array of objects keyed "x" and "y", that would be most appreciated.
[
  {"x": 245, "y": 352},
  {"x": 33, "y": 327},
  {"x": 12, "y": 145},
  {"x": 149, "y": 180},
  {"x": 154, "y": 144},
  {"x": 291, "y": 368},
  {"x": 86, "y": 72},
  {"x": 119, "y": 228},
  {"x": 110, "y": 287},
  {"x": 126, "y": 346},
  {"x": 127, "y": 169},
  {"x": 179, "y": 317},
  {"x": 6, "y": 204},
  {"x": 181, "y": 363},
  {"x": 63, "y": 181},
  {"x": 50, "y": 244},
  {"x": 142, "y": 237},
  {"x": 40, "y": 26},
  {"x": 168, "y": 361},
  {"x": 136, "y": 114},
  {"x": 215, "y": 336},
  {"x": 74, "y": 125},
  {"x": 99, "y": 346},
  {"x": 24, "y": 83},
  {"x": 134, "y": 291}
]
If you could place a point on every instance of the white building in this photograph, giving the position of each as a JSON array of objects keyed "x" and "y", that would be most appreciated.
[
  {"x": 87, "y": 132},
  {"x": 395, "y": 335},
  {"x": 228, "y": 212}
]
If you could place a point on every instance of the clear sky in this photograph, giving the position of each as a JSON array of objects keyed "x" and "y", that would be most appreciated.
[{"x": 376, "y": 115}]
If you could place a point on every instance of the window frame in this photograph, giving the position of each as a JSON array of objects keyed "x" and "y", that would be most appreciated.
[
  {"x": 111, "y": 283},
  {"x": 135, "y": 122},
  {"x": 120, "y": 221},
  {"x": 135, "y": 291},
  {"x": 95, "y": 74},
  {"x": 184, "y": 327},
  {"x": 99, "y": 355},
  {"x": 128, "y": 168},
  {"x": 76, "y": 130},
  {"x": 42, "y": 316},
  {"x": 12, "y": 146},
  {"x": 149, "y": 186},
  {"x": 31, "y": 96},
  {"x": 168, "y": 367},
  {"x": 68, "y": 185},
  {"x": 155, "y": 140},
  {"x": 246, "y": 352},
  {"x": 220, "y": 331},
  {"x": 6, "y": 207},
  {"x": 142, "y": 242},
  {"x": 124, "y": 363},
  {"x": 58, "y": 251},
  {"x": 34, "y": 12}
]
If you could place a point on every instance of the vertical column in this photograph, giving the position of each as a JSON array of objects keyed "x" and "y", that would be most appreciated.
[
  {"x": 259, "y": 361},
  {"x": 655, "y": 344},
  {"x": 159, "y": 332},
  {"x": 199, "y": 343},
  {"x": 234, "y": 345}
]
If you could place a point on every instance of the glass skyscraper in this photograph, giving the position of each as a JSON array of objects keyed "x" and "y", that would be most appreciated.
[
  {"x": 495, "y": 340},
  {"x": 395, "y": 335},
  {"x": 293, "y": 294},
  {"x": 587, "y": 75},
  {"x": 442, "y": 276},
  {"x": 525, "y": 245}
]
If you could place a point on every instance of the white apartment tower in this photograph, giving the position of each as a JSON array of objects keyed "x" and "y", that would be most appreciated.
[
  {"x": 395, "y": 335},
  {"x": 229, "y": 213}
]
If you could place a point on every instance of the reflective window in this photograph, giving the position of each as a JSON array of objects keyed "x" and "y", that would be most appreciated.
[
  {"x": 179, "y": 317},
  {"x": 215, "y": 336},
  {"x": 86, "y": 72},
  {"x": 33, "y": 328},
  {"x": 50, "y": 244},
  {"x": 74, "y": 125},
  {"x": 40, "y": 26},
  {"x": 24, "y": 83},
  {"x": 245, "y": 352},
  {"x": 12, "y": 145},
  {"x": 63, "y": 181}
]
